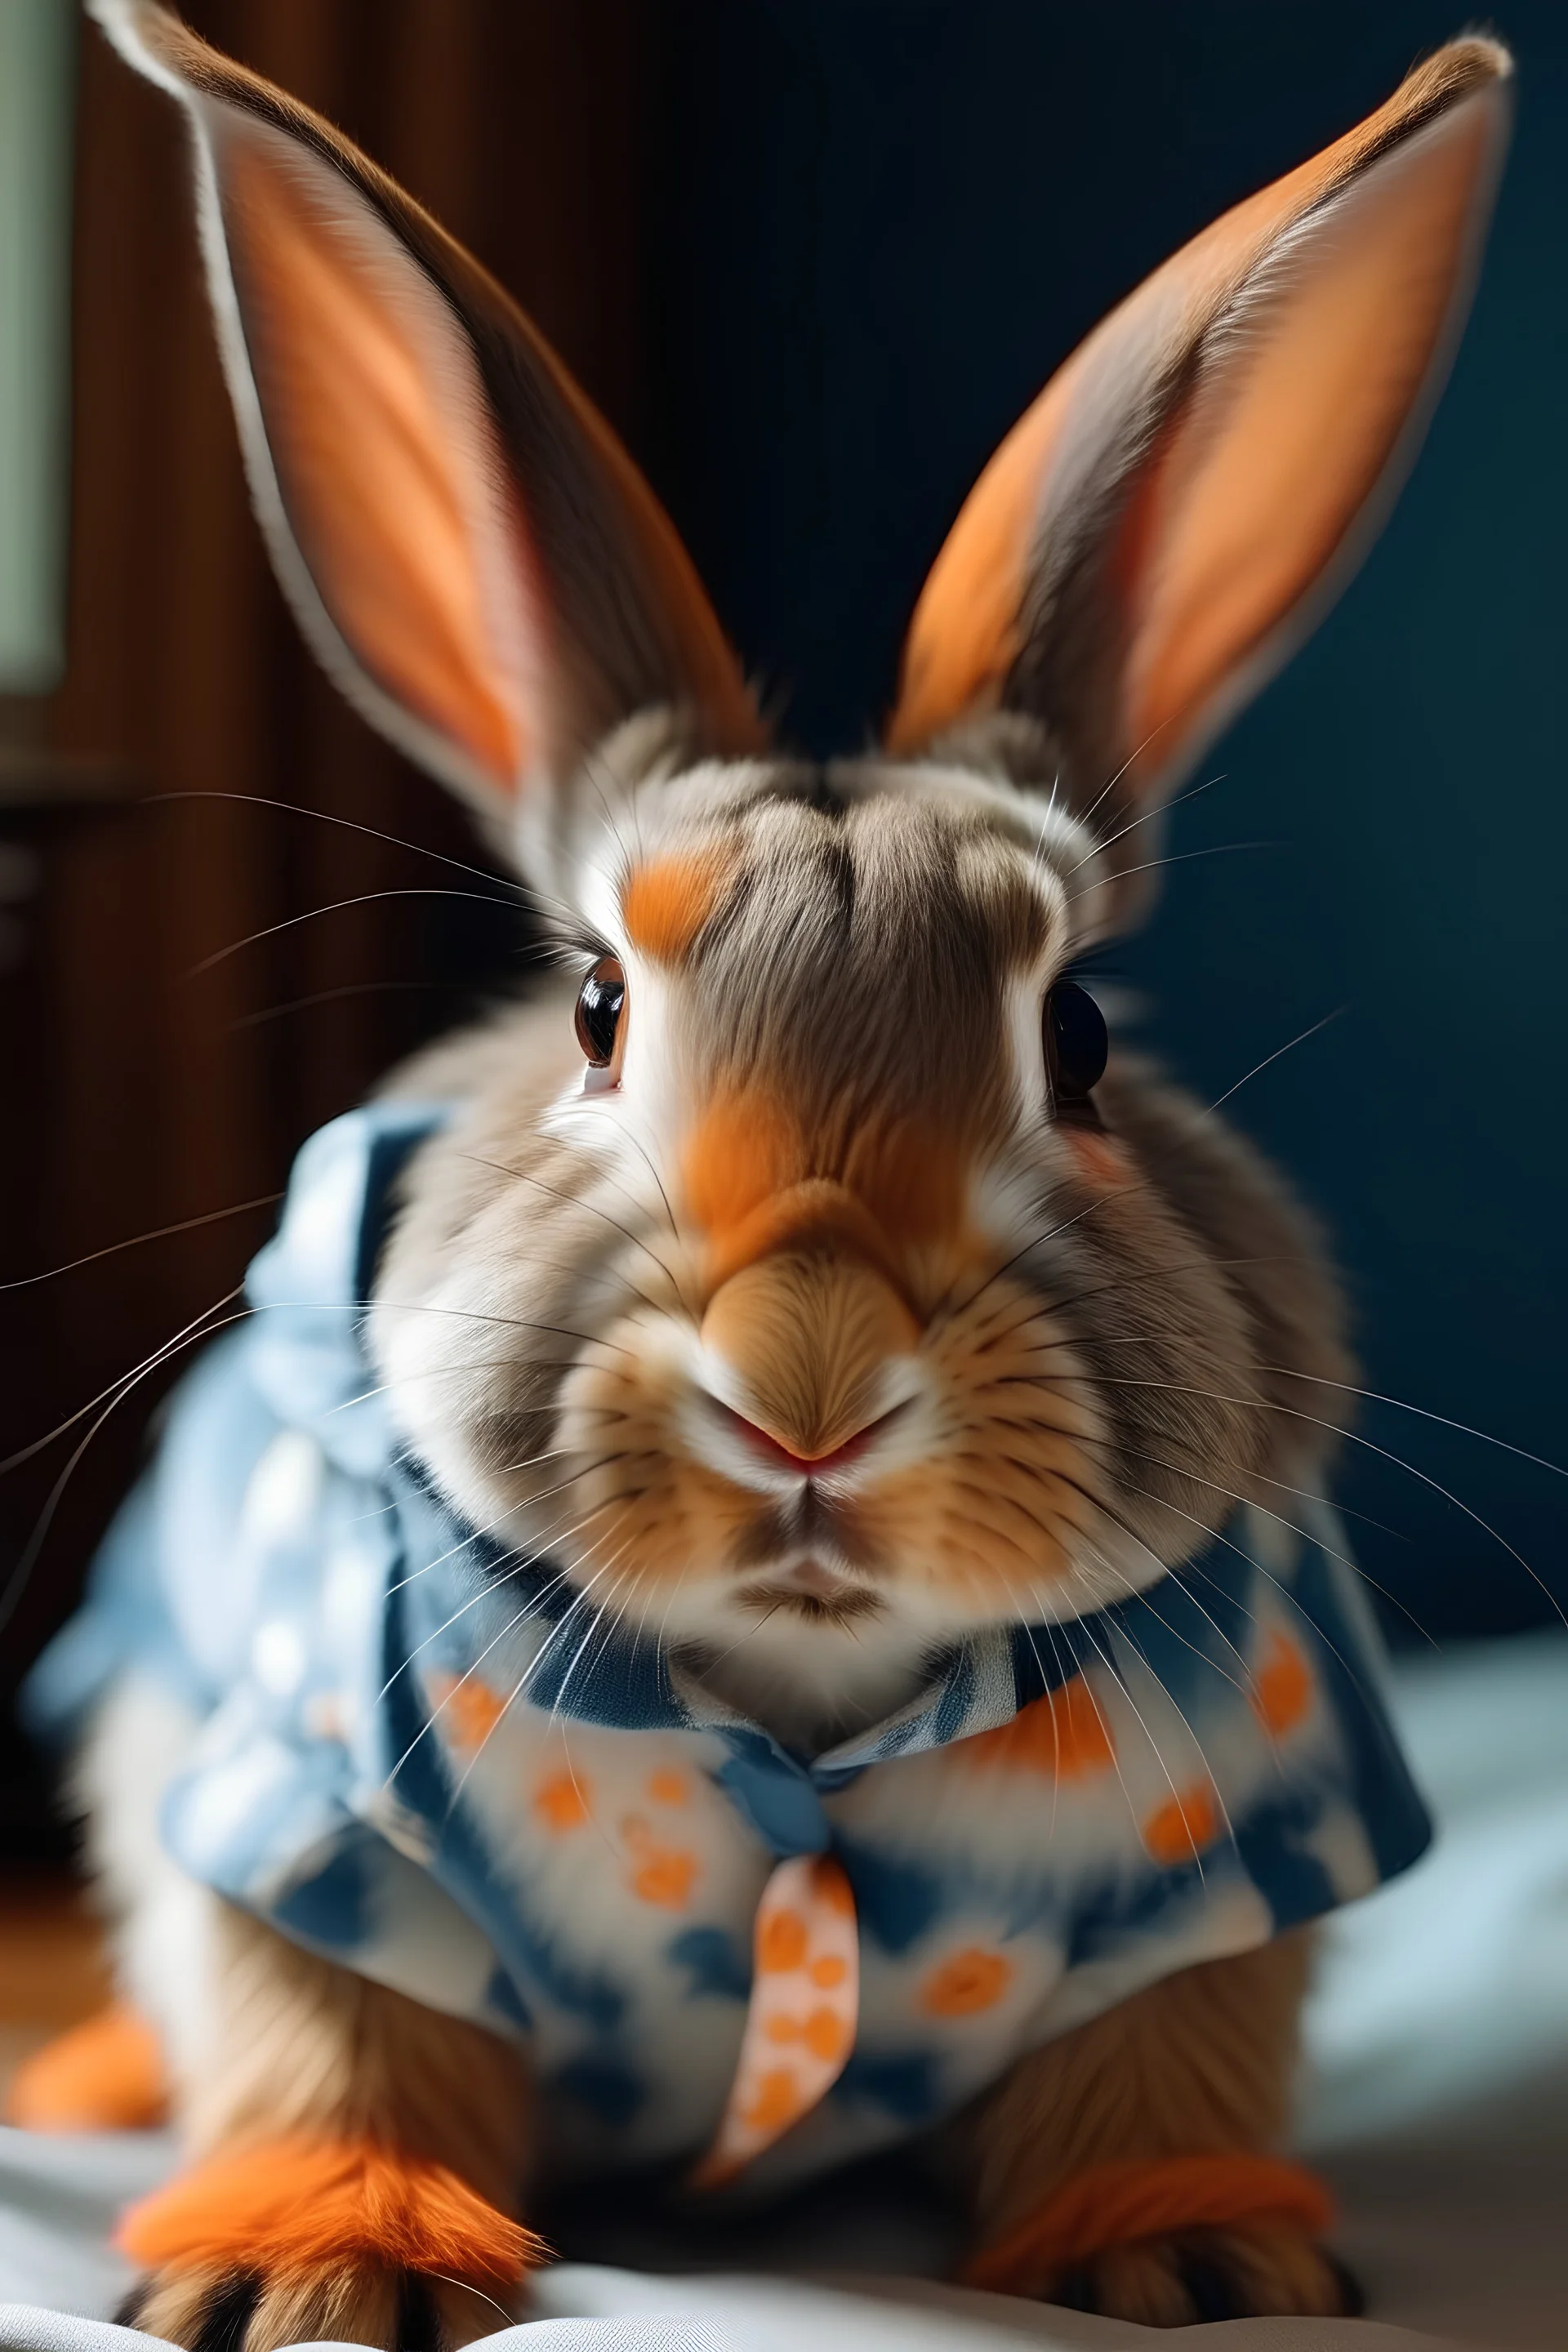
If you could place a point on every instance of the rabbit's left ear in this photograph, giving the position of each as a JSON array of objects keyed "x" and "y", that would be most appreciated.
[
  {"x": 467, "y": 545},
  {"x": 1173, "y": 512}
]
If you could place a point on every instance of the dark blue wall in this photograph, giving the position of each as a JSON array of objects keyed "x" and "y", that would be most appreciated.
[{"x": 881, "y": 224}]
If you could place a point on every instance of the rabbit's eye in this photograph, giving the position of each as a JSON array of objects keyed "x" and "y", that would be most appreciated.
[
  {"x": 601, "y": 1008},
  {"x": 1076, "y": 1044}
]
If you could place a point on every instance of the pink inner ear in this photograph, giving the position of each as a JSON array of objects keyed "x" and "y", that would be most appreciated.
[
  {"x": 1266, "y": 476},
  {"x": 392, "y": 486}
]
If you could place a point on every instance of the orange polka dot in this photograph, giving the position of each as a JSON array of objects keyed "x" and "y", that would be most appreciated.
[
  {"x": 1181, "y": 1827},
  {"x": 781, "y": 1941},
  {"x": 826, "y": 2035},
  {"x": 668, "y": 1788},
  {"x": 1282, "y": 1691},
  {"x": 1063, "y": 1734},
  {"x": 665, "y": 1877},
  {"x": 782, "y": 2028},
  {"x": 829, "y": 1972},
  {"x": 776, "y": 2101},
  {"x": 562, "y": 1803},
  {"x": 966, "y": 1984},
  {"x": 466, "y": 1711}
]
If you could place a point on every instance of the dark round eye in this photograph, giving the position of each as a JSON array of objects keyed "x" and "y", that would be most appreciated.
[
  {"x": 601, "y": 1004},
  {"x": 1076, "y": 1043}
]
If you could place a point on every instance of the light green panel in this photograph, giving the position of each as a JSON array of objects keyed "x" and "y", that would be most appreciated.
[{"x": 37, "y": 57}]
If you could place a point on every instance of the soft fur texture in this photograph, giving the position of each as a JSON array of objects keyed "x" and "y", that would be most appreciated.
[{"x": 820, "y": 1326}]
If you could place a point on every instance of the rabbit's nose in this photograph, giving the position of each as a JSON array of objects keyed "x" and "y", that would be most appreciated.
[
  {"x": 809, "y": 1353},
  {"x": 776, "y": 1456}
]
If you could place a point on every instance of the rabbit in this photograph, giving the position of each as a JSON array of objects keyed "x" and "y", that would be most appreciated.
[{"x": 759, "y": 1585}]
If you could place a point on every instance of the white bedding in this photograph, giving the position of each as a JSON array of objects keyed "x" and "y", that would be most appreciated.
[{"x": 1437, "y": 2103}]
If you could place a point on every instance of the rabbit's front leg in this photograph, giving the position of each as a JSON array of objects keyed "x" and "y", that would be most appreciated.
[
  {"x": 355, "y": 2167},
  {"x": 1128, "y": 2167}
]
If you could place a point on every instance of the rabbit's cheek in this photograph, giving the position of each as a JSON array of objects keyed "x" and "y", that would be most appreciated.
[
  {"x": 638, "y": 1498},
  {"x": 1098, "y": 1159}
]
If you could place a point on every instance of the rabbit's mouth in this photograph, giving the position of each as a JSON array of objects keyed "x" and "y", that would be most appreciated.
[{"x": 818, "y": 1591}]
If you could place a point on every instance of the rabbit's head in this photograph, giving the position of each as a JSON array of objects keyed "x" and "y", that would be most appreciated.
[{"x": 799, "y": 1272}]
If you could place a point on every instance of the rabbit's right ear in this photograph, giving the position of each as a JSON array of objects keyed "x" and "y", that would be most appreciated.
[
  {"x": 1177, "y": 507},
  {"x": 467, "y": 545}
]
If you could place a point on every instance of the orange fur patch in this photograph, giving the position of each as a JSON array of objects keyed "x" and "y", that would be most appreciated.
[
  {"x": 304, "y": 2205},
  {"x": 1063, "y": 1735},
  {"x": 106, "y": 2074},
  {"x": 756, "y": 1183},
  {"x": 665, "y": 903},
  {"x": 1118, "y": 2204}
]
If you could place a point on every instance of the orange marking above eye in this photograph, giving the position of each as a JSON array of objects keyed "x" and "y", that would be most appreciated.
[
  {"x": 1283, "y": 1688},
  {"x": 782, "y": 1942},
  {"x": 966, "y": 1984},
  {"x": 1178, "y": 1830},
  {"x": 562, "y": 1802},
  {"x": 665, "y": 903},
  {"x": 1063, "y": 1735}
]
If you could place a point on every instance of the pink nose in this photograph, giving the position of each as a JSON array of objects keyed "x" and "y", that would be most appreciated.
[{"x": 809, "y": 1465}]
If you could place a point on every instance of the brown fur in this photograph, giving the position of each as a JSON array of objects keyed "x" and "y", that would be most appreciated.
[
  {"x": 304, "y": 2052},
  {"x": 837, "y": 1157},
  {"x": 1201, "y": 2063}
]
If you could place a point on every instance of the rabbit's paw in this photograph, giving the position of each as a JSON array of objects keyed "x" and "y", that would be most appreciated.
[
  {"x": 1164, "y": 2240},
  {"x": 105, "y": 2075},
  {"x": 249, "y": 2311},
  {"x": 294, "y": 2240},
  {"x": 1261, "y": 2271}
]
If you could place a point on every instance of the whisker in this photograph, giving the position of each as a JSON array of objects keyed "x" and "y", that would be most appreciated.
[
  {"x": 1339, "y": 1011},
  {"x": 574, "y": 1201},
  {"x": 158, "y": 1234},
  {"x": 364, "y": 898},
  {"x": 1352, "y": 1437},
  {"x": 1402, "y": 1404},
  {"x": 26, "y": 1560},
  {"x": 352, "y": 988},
  {"x": 346, "y": 824},
  {"x": 1305, "y": 1493},
  {"x": 1145, "y": 816},
  {"x": 1155, "y": 1750},
  {"x": 199, "y": 1327}
]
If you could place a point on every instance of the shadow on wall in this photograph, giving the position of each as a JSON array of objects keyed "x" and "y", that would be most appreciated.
[{"x": 883, "y": 226}]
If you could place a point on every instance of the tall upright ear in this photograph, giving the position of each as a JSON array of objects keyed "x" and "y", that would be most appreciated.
[
  {"x": 467, "y": 545},
  {"x": 1185, "y": 496}
]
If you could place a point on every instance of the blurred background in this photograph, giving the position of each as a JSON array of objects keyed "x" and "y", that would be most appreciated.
[{"x": 813, "y": 257}]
